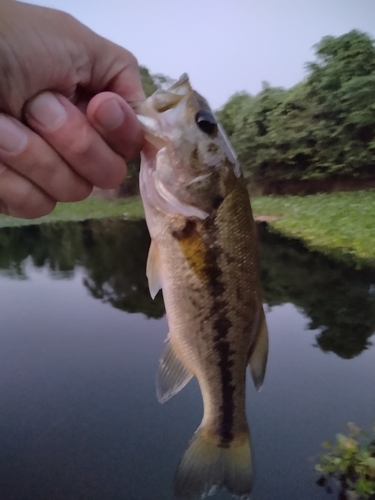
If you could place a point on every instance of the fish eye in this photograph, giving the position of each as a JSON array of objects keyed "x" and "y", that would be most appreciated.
[{"x": 206, "y": 122}]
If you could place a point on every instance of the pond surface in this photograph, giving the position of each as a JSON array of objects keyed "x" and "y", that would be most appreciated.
[{"x": 80, "y": 340}]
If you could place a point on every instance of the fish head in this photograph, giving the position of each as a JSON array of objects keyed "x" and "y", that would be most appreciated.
[{"x": 188, "y": 165}]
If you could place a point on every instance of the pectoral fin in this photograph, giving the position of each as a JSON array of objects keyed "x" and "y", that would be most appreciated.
[
  {"x": 259, "y": 354},
  {"x": 172, "y": 376},
  {"x": 153, "y": 269}
]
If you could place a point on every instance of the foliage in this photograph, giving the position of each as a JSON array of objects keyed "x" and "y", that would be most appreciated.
[
  {"x": 111, "y": 253},
  {"x": 227, "y": 115},
  {"x": 115, "y": 256},
  {"x": 163, "y": 81},
  {"x": 337, "y": 299},
  {"x": 351, "y": 462},
  {"x": 323, "y": 128},
  {"x": 148, "y": 83},
  {"x": 338, "y": 224},
  {"x": 153, "y": 82}
]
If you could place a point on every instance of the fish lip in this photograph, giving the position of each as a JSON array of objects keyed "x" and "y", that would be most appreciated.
[
  {"x": 152, "y": 132},
  {"x": 145, "y": 120}
]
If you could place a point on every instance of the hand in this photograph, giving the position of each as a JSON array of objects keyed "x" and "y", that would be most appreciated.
[{"x": 65, "y": 125}]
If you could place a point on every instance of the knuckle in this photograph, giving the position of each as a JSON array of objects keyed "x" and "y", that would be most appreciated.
[
  {"x": 115, "y": 176},
  {"x": 132, "y": 60},
  {"x": 79, "y": 192},
  {"x": 22, "y": 200},
  {"x": 82, "y": 143},
  {"x": 39, "y": 210},
  {"x": 31, "y": 206},
  {"x": 129, "y": 57},
  {"x": 62, "y": 183},
  {"x": 65, "y": 17}
]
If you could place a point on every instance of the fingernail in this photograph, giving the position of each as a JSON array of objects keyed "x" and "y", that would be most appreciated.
[
  {"x": 110, "y": 114},
  {"x": 47, "y": 111},
  {"x": 13, "y": 138},
  {"x": 2, "y": 168}
]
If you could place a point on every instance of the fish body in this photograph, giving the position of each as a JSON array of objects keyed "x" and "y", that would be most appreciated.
[{"x": 204, "y": 257}]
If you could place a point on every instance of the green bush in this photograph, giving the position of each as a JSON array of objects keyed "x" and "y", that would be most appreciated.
[{"x": 350, "y": 462}]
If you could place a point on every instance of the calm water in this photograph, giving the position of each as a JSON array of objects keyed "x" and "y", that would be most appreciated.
[{"x": 80, "y": 341}]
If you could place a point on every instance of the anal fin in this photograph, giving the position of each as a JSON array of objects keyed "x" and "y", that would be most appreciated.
[
  {"x": 259, "y": 354},
  {"x": 172, "y": 376}
]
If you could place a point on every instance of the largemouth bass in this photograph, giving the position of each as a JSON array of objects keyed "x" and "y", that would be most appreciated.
[{"x": 204, "y": 257}]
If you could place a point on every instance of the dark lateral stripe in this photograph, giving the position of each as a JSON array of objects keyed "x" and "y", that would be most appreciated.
[
  {"x": 203, "y": 260},
  {"x": 222, "y": 346},
  {"x": 222, "y": 326}
]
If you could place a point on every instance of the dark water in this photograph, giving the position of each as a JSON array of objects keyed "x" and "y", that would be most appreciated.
[{"x": 79, "y": 346}]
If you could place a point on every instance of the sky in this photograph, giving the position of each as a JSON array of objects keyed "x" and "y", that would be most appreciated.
[{"x": 224, "y": 45}]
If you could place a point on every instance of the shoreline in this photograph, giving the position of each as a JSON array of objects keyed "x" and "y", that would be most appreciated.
[{"x": 339, "y": 225}]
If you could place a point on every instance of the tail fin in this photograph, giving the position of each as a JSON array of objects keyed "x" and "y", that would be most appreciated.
[{"x": 208, "y": 464}]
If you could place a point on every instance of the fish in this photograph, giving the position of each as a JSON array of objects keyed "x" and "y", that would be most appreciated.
[{"x": 204, "y": 257}]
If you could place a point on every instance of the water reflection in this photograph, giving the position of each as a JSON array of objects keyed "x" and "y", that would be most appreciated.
[
  {"x": 115, "y": 255},
  {"x": 79, "y": 418},
  {"x": 112, "y": 252},
  {"x": 56, "y": 246},
  {"x": 338, "y": 300}
]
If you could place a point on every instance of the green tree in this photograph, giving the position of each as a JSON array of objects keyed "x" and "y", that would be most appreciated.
[
  {"x": 341, "y": 84},
  {"x": 148, "y": 83},
  {"x": 251, "y": 131},
  {"x": 340, "y": 59},
  {"x": 227, "y": 115},
  {"x": 321, "y": 129}
]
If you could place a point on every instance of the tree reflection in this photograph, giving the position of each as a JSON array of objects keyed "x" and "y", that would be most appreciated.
[
  {"x": 55, "y": 246},
  {"x": 112, "y": 252},
  {"x": 338, "y": 299},
  {"x": 115, "y": 260}
]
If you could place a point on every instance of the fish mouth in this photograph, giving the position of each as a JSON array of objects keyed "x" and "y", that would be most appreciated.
[
  {"x": 153, "y": 132},
  {"x": 164, "y": 109},
  {"x": 182, "y": 84}
]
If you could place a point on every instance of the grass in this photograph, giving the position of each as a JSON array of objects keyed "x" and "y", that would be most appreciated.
[
  {"x": 337, "y": 224},
  {"x": 91, "y": 208}
]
